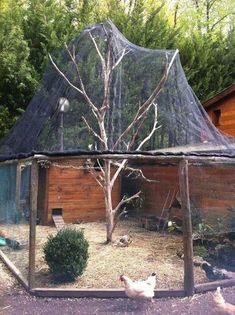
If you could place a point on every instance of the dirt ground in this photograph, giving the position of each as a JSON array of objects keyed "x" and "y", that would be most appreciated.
[
  {"x": 15, "y": 301},
  {"x": 149, "y": 252}
]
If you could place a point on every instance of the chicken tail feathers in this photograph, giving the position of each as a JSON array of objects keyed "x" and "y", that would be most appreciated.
[
  {"x": 218, "y": 297},
  {"x": 222, "y": 306}
]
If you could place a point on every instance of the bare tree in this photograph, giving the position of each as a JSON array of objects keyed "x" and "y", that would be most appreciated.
[
  {"x": 176, "y": 14},
  {"x": 106, "y": 178}
]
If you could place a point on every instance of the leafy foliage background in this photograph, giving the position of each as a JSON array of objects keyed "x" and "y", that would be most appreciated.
[{"x": 203, "y": 31}]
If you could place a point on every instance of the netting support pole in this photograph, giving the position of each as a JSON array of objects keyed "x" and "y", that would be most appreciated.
[
  {"x": 187, "y": 228},
  {"x": 18, "y": 186},
  {"x": 33, "y": 218}
]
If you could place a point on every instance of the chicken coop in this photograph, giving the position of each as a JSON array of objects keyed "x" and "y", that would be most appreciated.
[
  {"x": 114, "y": 138},
  {"x": 211, "y": 194},
  {"x": 71, "y": 192}
]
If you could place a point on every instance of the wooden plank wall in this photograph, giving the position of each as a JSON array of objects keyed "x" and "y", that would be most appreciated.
[
  {"x": 155, "y": 194},
  {"x": 77, "y": 192},
  {"x": 227, "y": 116},
  {"x": 212, "y": 189},
  {"x": 227, "y": 120}
]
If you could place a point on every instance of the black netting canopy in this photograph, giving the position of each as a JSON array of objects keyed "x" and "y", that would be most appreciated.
[{"x": 101, "y": 93}]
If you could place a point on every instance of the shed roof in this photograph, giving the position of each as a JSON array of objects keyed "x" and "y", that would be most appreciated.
[{"x": 214, "y": 100}]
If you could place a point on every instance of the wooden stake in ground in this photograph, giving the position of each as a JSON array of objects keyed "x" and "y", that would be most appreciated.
[
  {"x": 33, "y": 217},
  {"x": 187, "y": 228},
  {"x": 18, "y": 185}
]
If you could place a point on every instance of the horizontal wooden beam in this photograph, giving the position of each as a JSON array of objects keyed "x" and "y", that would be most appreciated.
[
  {"x": 106, "y": 293},
  {"x": 141, "y": 157},
  {"x": 15, "y": 161},
  {"x": 170, "y": 293},
  {"x": 98, "y": 293},
  {"x": 14, "y": 270},
  {"x": 161, "y": 158},
  {"x": 209, "y": 286},
  {"x": 60, "y": 292}
]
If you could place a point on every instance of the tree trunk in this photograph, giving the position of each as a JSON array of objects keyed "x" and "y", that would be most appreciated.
[
  {"x": 108, "y": 202},
  {"x": 110, "y": 225}
]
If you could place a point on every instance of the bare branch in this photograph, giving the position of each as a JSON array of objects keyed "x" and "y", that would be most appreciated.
[
  {"x": 103, "y": 133},
  {"x": 120, "y": 167},
  {"x": 117, "y": 217},
  {"x": 136, "y": 170},
  {"x": 90, "y": 103},
  {"x": 149, "y": 136},
  {"x": 220, "y": 20},
  {"x": 211, "y": 3},
  {"x": 64, "y": 76},
  {"x": 97, "y": 49},
  {"x": 176, "y": 14},
  {"x": 98, "y": 181},
  {"x": 170, "y": 64},
  {"x": 123, "y": 201},
  {"x": 127, "y": 144},
  {"x": 99, "y": 178},
  {"x": 72, "y": 57},
  {"x": 131, "y": 143},
  {"x": 101, "y": 167},
  {"x": 74, "y": 51},
  {"x": 124, "y": 52},
  {"x": 120, "y": 214},
  {"x": 92, "y": 130},
  {"x": 153, "y": 129},
  {"x": 107, "y": 76},
  {"x": 144, "y": 108}
]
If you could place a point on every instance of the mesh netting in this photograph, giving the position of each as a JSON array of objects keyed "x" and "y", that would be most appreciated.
[
  {"x": 8, "y": 193},
  {"x": 10, "y": 211},
  {"x": 103, "y": 93},
  {"x": 14, "y": 214}
]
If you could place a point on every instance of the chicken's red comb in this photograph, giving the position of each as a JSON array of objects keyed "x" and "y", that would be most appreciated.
[{"x": 121, "y": 278}]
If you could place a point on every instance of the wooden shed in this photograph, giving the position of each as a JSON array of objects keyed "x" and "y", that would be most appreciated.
[
  {"x": 211, "y": 189},
  {"x": 67, "y": 188},
  {"x": 221, "y": 110}
]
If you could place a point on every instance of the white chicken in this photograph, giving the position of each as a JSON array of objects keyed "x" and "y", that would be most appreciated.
[
  {"x": 221, "y": 306},
  {"x": 142, "y": 289},
  {"x": 124, "y": 241}
]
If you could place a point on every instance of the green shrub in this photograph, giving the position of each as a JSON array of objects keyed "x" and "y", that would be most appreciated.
[
  {"x": 200, "y": 250},
  {"x": 66, "y": 254}
]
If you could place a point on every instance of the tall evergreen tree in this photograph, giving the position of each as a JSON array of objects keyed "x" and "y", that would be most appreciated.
[
  {"x": 30, "y": 29},
  {"x": 18, "y": 78}
]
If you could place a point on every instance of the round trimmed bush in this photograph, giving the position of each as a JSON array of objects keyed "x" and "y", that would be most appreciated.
[{"x": 66, "y": 254}]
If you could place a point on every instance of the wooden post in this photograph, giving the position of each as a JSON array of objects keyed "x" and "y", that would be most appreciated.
[
  {"x": 33, "y": 217},
  {"x": 18, "y": 186},
  {"x": 187, "y": 228}
]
